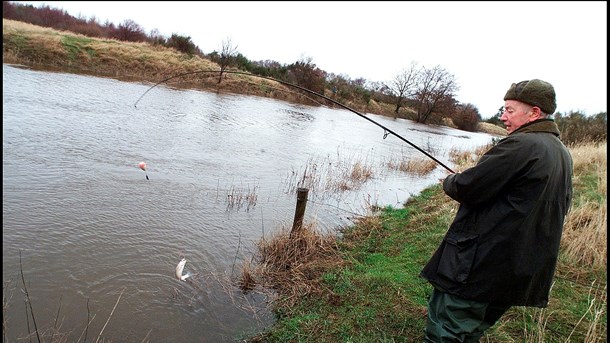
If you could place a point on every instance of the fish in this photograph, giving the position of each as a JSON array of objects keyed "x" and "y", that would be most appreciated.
[{"x": 179, "y": 269}]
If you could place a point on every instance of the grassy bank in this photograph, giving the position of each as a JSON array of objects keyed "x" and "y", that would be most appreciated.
[{"x": 364, "y": 286}]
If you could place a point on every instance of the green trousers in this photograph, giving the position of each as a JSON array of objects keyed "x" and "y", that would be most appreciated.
[{"x": 453, "y": 319}]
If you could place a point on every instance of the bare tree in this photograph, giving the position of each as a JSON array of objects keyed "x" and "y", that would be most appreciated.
[
  {"x": 404, "y": 84},
  {"x": 435, "y": 85},
  {"x": 227, "y": 54}
]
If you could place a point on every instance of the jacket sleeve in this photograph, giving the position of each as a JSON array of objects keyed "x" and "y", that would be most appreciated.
[{"x": 496, "y": 169}]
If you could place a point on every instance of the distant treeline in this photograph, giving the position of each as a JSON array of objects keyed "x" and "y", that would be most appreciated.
[{"x": 408, "y": 92}]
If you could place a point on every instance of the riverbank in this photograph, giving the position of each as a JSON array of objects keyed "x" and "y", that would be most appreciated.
[
  {"x": 48, "y": 49},
  {"x": 364, "y": 286}
]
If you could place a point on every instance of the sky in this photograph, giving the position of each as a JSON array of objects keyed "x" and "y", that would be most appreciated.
[{"x": 486, "y": 46}]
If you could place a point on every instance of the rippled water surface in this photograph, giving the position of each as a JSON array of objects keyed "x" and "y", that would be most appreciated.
[{"x": 93, "y": 232}]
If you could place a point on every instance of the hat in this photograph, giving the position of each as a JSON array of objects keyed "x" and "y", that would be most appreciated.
[{"x": 534, "y": 92}]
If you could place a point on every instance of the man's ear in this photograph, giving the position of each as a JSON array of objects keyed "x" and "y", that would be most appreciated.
[{"x": 536, "y": 113}]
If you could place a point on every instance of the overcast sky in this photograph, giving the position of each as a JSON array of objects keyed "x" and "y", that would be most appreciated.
[{"x": 486, "y": 46}]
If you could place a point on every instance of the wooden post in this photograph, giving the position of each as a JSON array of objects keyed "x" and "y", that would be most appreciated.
[{"x": 299, "y": 211}]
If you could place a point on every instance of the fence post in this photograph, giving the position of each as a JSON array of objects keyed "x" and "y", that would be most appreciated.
[{"x": 299, "y": 211}]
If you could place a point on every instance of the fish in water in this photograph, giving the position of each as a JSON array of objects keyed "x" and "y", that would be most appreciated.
[{"x": 179, "y": 269}]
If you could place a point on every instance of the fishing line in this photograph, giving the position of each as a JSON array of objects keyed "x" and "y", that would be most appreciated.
[{"x": 386, "y": 131}]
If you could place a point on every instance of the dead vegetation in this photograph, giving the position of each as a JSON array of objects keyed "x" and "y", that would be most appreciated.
[
  {"x": 417, "y": 166},
  {"x": 292, "y": 266},
  {"x": 586, "y": 226}
]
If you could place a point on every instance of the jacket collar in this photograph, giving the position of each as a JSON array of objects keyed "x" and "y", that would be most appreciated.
[{"x": 540, "y": 125}]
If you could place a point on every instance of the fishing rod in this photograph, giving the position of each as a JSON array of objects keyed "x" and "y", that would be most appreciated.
[{"x": 385, "y": 129}]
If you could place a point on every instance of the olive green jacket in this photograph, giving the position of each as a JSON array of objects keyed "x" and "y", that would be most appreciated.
[{"x": 503, "y": 244}]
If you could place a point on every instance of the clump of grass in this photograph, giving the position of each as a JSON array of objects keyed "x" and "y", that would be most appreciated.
[
  {"x": 247, "y": 281},
  {"x": 418, "y": 166},
  {"x": 348, "y": 175},
  {"x": 291, "y": 264},
  {"x": 461, "y": 157},
  {"x": 360, "y": 172}
]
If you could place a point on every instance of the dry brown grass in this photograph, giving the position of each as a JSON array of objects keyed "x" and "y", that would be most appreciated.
[
  {"x": 585, "y": 235},
  {"x": 361, "y": 172},
  {"x": 418, "y": 166},
  {"x": 247, "y": 281},
  {"x": 350, "y": 175},
  {"x": 466, "y": 159},
  {"x": 585, "y": 230},
  {"x": 292, "y": 266},
  {"x": 491, "y": 129},
  {"x": 590, "y": 154}
]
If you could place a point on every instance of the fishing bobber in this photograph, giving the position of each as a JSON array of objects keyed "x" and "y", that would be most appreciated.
[{"x": 142, "y": 166}]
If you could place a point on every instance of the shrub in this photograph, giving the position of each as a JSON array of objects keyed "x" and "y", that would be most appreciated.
[
  {"x": 466, "y": 117},
  {"x": 576, "y": 127}
]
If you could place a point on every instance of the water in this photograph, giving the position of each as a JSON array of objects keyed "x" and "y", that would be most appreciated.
[{"x": 94, "y": 233}]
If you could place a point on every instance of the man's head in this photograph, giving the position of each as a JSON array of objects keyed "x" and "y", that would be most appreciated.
[{"x": 527, "y": 101}]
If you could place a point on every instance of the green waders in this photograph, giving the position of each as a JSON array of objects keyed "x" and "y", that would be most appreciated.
[{"x": 453, "y": 319}]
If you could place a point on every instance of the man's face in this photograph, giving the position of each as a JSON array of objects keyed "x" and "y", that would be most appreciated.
[{"x": 516, "y": 114}]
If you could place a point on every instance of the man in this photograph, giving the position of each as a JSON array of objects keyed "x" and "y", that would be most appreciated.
[{"x": 501, "y": 249}]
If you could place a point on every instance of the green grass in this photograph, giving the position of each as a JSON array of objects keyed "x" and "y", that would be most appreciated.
[{"x": 77, "y": 45}]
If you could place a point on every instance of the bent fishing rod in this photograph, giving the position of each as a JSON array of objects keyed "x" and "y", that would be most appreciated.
[{"x": 385, "y": 129}]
